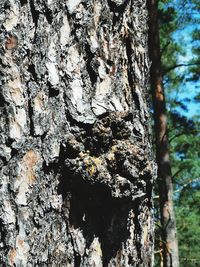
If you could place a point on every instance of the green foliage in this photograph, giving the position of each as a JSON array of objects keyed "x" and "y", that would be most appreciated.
[
  {"x": 195, "y": 69},
  {"x": 185, "y": 159},
  {"x": 188, "y": 222}
]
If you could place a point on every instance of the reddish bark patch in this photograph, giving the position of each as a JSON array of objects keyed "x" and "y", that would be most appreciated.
[
  {"x": 11, "y": 42},
  {"x": 30, "y": 159},
  {"x": 11, "y": 256}
]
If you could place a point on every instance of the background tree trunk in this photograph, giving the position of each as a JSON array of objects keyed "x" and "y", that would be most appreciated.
[
  {"x": 76, "y": 158},
  {"x": 169, "y": 246}
]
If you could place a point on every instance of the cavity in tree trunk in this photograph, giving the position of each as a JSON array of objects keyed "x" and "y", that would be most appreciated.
[
  {"x": 169, "y": 246},
  {"x": 76, "y": 156}
]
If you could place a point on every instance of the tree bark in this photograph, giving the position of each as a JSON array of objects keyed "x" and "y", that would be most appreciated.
[
  {"x": 169, "y": 246},
  {"x": 76, "y": 155}
]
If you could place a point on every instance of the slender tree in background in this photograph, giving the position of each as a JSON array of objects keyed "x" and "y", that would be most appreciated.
[
  {"x": 76, "y": 157},
  {"x": 169, "y": 244}
]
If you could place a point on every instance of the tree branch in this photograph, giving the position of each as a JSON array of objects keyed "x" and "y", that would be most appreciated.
[
  {"x": 187, "y": 184},
  {"x": 182, "y": 133},
  {"x": 164, "y": 48},
  {"x": 188, "y": 259},
  {"x": 176, "y": 173},
  {"x": 178, "y": 66}
]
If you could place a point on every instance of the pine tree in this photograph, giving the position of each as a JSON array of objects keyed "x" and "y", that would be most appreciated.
[
  {"x": 169, "y": 243},
  {"x": 76, "y": 156}
]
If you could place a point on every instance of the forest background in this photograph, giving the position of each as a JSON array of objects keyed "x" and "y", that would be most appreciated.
[{"x": 179, "y": 28}]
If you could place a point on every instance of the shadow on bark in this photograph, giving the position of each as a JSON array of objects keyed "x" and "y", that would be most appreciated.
[{"x": 96, "y": 213}]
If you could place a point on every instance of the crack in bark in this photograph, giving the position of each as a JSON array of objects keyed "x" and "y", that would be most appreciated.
[
  {"x": 2, "y": 100},
  {"x": 105, "y": 216},
  {"x": 90, "y": 56},
  {"x": 30, "y": 112},
  {"x": 53, "y": 92},
  {"x": 35, "y": 13},
  {"x": 117, "y": 8},
  {"x": 129, "y": 53},
  {"x": 48, "y": 14},
  {"x": 23, "y": 2}
]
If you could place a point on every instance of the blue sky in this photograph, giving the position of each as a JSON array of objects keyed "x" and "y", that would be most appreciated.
[{"x": 188, "y": 89}]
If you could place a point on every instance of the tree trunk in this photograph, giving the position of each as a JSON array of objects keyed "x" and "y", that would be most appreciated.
[
  {"x": 169, "y": 244},
  {"x": 76, "y": 157}
]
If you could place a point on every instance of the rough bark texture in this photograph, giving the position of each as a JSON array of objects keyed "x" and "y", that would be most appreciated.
[
  {"x": 76, "y": 160},
  {"x": 169, "y": 246}
]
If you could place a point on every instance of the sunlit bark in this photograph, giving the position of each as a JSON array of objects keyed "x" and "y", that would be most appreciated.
[{"x": 76, "y": 157}]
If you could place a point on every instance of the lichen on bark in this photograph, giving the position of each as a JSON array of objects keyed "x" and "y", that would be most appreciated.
[{"x": 76, "y": 156}]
